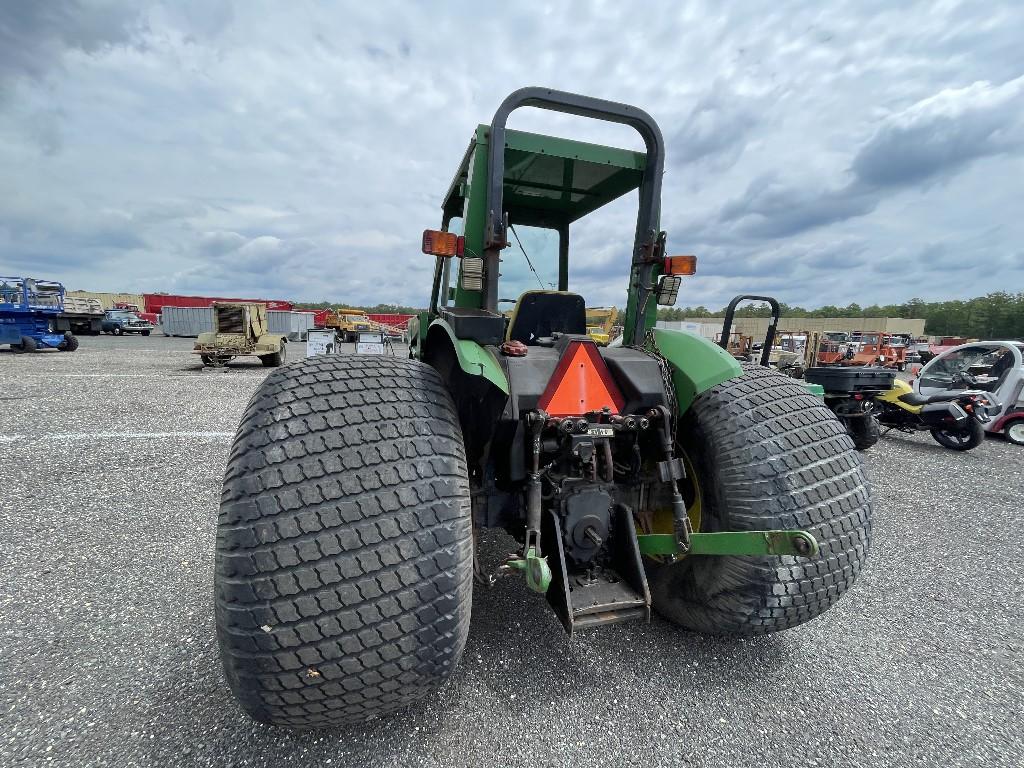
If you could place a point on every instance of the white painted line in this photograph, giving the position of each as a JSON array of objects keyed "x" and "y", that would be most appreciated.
[
  {"x": 97, "y": 375},
  {"x": 113, "y": 435}
]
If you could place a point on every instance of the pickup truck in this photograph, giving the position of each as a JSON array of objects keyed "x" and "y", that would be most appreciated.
[{"x": 119, "y": 321}]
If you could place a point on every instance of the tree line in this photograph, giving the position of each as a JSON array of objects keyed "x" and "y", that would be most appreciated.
[
  {"x": 998, "y": 315},
  {"x": 376, "y": 309}
]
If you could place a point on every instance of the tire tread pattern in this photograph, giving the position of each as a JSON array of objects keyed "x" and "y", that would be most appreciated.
[
  {"x": 770, "y": 455},
  {"x": 344, "y": 545}
]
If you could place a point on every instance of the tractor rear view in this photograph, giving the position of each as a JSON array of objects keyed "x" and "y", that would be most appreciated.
[{"x": 661, "y": 475}]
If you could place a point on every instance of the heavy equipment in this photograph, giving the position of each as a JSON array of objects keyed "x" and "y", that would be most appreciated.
[
  {"x": 30, "y": 315},
  {"x": 880, "y": 349},
  {"x": 659, "y": 475},
  {"x": 239, "y": 330},
  {"x": 601, "y": 323},
  {"x": 348, "y": 323}
]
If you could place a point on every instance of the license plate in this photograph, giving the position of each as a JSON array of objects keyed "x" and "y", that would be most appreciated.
[{"x": 601, "y": 431}]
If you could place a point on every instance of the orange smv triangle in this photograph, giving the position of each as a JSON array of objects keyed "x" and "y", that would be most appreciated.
[{"x": 580, "y": 384}]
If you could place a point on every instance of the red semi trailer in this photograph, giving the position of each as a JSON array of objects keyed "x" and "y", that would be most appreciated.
[{"x": 155, "y": 302}]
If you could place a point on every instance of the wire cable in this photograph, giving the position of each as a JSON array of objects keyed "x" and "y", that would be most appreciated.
[{"x": 530, "y": 263}]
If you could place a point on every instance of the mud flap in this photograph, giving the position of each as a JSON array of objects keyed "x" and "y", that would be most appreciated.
[{"x": 618, "y": 593}]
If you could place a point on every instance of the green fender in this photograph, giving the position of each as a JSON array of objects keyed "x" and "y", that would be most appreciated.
[
  {"x": 698, "y": 364},
  {"x": 473, "y": 358}
]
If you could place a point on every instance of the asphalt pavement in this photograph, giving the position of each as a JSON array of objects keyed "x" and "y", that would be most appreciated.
[{"x": 110, "y": 467}]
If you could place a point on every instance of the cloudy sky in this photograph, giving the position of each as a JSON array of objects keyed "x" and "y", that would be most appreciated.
[{"x": 821, "y": 152}]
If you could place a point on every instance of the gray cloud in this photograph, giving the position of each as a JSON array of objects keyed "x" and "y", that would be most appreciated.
[
  {"x": 718, "y": 126},
  {"x": 932, "y": 139},
  {"x": 771, "y": 208},
  {"x": 943, "y": 133},
  {"x": 35, "y": 35}
]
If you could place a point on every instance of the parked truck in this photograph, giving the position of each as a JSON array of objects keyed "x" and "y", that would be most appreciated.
[
  {"x": 348, "y": 323},
  {"x": 81, "y": 315}
]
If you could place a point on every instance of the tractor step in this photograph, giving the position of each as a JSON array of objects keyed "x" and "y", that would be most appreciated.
[
  {"x": 606, "y": 600},
  {"x": 610, "y": 595}
]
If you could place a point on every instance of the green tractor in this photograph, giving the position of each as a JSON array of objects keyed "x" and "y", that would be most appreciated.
[{"x": 658, "y": 475}]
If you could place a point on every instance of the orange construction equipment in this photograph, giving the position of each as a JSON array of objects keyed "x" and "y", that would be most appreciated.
[
  {"x": 739, "y": 346},
  {"x": 878, "y": 349},
  {"x": 581, "y": 384},
  {"x": 829, "y": 352}
]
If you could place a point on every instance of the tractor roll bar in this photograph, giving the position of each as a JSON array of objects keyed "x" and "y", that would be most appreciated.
[
  {"x": 584, "y": 106},
  {"x": 769, "y": 337}
]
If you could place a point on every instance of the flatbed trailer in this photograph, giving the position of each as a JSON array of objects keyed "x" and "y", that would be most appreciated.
[{"x": 81, "y": 315}]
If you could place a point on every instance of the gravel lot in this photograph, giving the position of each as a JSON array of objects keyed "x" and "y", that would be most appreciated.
[{"x": 111, "y": 458}]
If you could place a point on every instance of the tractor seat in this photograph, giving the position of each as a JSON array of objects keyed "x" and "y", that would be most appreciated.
[
  {"x": 540, "y": 314},
  {"x": 914, "y": 398}
]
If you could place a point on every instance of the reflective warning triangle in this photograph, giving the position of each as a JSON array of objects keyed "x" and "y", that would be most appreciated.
[{"x": 581, "y": 383}]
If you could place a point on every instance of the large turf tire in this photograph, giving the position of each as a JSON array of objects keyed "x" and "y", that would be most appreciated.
[
  {"x": 344, "y": 544},
  {"x": 767, "y": 454},
  {"x": 966, "y": 440},
  {"x": 863, "y": 430}
]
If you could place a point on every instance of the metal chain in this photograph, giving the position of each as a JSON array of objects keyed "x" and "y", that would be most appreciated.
[{"x": 649, "y": 346}]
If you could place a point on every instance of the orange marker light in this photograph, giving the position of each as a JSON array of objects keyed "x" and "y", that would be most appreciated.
[
  {"x": 681, "y": 265},
  {"x": 438, "y": 243}
]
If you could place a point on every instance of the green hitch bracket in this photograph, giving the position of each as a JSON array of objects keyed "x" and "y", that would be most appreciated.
[
  {"x": 534, "y": 568},
  {"x": 750, "y": 543}
]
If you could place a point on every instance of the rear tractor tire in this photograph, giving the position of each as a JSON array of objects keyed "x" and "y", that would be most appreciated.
[
  {"x": 766, "y": 454},
  {"x": 344, "y": 562}
]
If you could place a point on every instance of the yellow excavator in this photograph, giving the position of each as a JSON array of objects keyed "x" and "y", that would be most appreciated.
[{"x": 602, "y": 323}]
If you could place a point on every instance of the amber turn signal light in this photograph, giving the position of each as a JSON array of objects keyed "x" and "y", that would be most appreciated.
[
  {"x": 438, "y": 243},
  {"x": 680, "y": 265}
]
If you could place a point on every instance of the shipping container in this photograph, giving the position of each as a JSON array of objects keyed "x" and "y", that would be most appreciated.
[
  {"x": 155, "y": 302},
  {"x": 191, "y": 321},
  {"x": 707, "y": 330},
  {"x": 294, "y": 325},
  {"x": 186, "y": 321}
]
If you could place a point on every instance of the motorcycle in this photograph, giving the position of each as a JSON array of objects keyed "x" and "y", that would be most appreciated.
[{"x": 955, "y": 418}]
